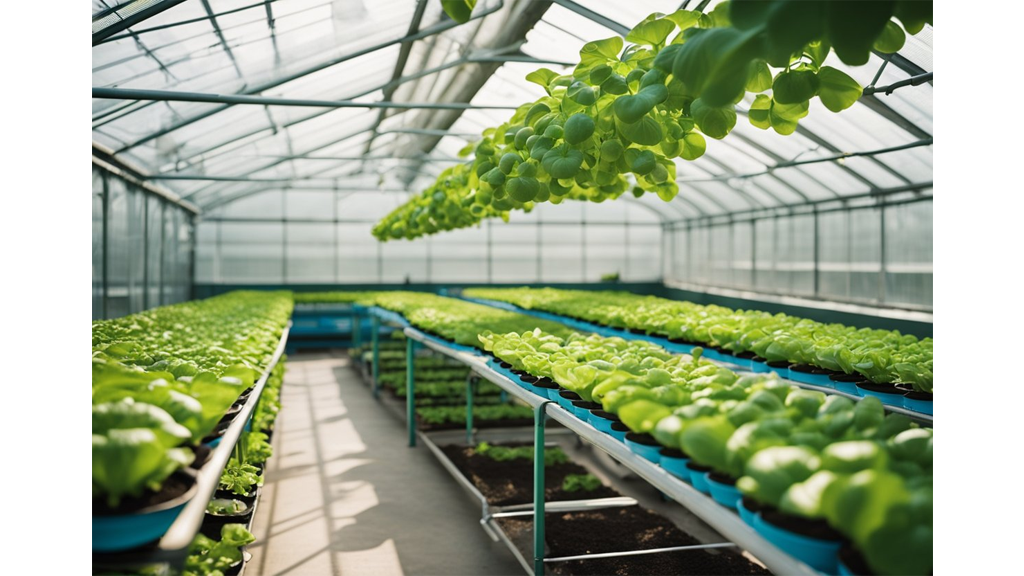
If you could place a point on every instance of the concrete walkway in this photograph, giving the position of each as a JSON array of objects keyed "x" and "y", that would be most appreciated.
[{"x": 344, "y": 495}]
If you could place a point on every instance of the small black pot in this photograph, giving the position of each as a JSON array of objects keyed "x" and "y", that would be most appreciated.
[
  {"x": 570, "y": 395},
  {"x": 249, "y": 498},
  {"x": 546, "y": 383},
  {"x": 804, "y": 369},
  {"x": 635, "y": 331},
  {"x": 674, "y": 453},
  {"x": 697, "y": 467},
  {"x": 528, "y": 378},
  {"x": 747, "y": 355},
  {"x": 505, "y": 365},
  {"x": 854, "y": 561},
  {"x": 587, "y": 405},
  {"x": 723, "y": 478},
  {"x": 212, "y": 523},
  {"x": 780, "y": 364}
]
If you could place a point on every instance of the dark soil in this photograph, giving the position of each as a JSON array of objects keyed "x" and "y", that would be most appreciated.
[
  {"x": 723, "y": 479},
  {"x": 587, "y": 405},
  {"x": 813, "y": 528},
  {"x": 645, "y": 439},
  {"x": 606, "y": 415},
  {"x": 569, "y": 395},
  {"x": 630, "y": 528},
  {"x": 176, "y": 485},
  {"x": 915, "y": 395},
  {"x": 511, "y": 482},
  {"x": 697, "y": 467},
  {"x": 880, "y": 388},
  {"x": 746, "y": 355},
  {"x": 778, "y": 364},
  {"x": 673, "y": 453},
  {"x": 803, "y": 368},
  {"x": 847, "y": 378},
  {"x": 202, "y": 453},
  {"x": 853, "y": 560}
]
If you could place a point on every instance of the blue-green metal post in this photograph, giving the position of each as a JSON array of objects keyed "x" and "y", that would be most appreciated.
[
  {"x": 357, "y": 329},
  {"x": 410, "y": 390},
  {"x": 469, "y": 408},
  {"x": 375, "y": 370},
  {"x": 539, "y": 416}
]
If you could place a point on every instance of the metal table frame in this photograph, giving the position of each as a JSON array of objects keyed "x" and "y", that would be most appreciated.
[{"x": 722, "y": 519}]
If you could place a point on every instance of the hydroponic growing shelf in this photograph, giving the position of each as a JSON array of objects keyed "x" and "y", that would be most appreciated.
[{"x": 673, "y": 257}]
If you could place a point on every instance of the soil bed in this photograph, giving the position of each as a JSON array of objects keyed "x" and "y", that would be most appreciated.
[
  {"x": 631, "y": 528},
  {"x": 511, "y": 482}
]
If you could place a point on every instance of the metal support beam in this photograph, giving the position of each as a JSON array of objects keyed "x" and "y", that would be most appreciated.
[
  {"x": 912, "y": 81},
  {"x": 221, "y": 39},
  {"x": 119, "y": 22},
  {"x": 589, "y": 14},
  {"x": 436, "y": 29},
  {"x": 832, "y": 158},
  {"x": 173, "y": 96}
]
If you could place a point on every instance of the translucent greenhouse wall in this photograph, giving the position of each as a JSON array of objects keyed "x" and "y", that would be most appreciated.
[
  {"x": 141, "y": 248},
  {"x": 877, "y": 254},
  {"x": 324, "y": 238}
]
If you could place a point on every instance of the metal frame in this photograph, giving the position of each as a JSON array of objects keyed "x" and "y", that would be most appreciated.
[{"x": 721, "y": 519}]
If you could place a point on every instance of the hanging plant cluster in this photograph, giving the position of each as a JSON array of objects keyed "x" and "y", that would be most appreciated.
[{"x": 628, "y": 110}]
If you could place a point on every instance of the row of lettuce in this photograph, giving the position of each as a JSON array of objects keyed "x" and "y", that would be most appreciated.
[
  {"x": 880, "y": 356},
  {"x": 165, "y": 380},
  {"x": 866, "y": 473}
]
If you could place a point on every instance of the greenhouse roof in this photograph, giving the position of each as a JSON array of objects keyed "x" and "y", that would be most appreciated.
[{"x": 219, "y": 100}]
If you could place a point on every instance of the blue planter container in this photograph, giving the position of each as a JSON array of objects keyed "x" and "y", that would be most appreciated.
[
  {"x": 652, "y": 453},
  {"x": 213, "y": 443},
  {"x": 894, "y": 399},
  {"x": 553, "y": 393},
  {"x": 117, "y": 533},
  {"x": 700, "y": 481},
  {"x": 922, "y": 406},
  {"x": 712, "y": 355},
  {"x": 759, "y": 367},
  {"x": 743, "y": 363},
  {"x": 562, "y": 400},
  {"x": 581, "y": 413},
  {"x": 847, "y": 387},
  {"x": 675, "y": 466},
  {"x": 818, "y": 554},
  {"x": 602, "y": 424},
  {"x": 815, "y": 379},
  {"x": 724, "y": 494},
  {"x": 748, "y": 515},
  {"x": 619, "y": 435},
  {"x": 844, "y": 571},
  {"x": 543, "y": 392}
]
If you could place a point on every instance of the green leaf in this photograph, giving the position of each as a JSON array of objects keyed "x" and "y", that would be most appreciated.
[
  {"x": 542, "y": 77},
  {"x": 790, "y": 26},
  {"x": 596, "y": 53},
  {"x": 600, "y": 73},
  {"x": 759, "y": 110},
  {"x": 578, "y": 128},
  {"x": 651, "y": 31},
  {"x": 127, "y": 461},
  {"x": 630, "y": 109},
  {"x": 581, "y": 93},
  {"x": 694, "y": 146},
  {"x": 642, "y": 415},
  {"x": 130, "y": 414},
  {"x": 562, "y": 162},
  {"x": 853, "y": 27},
  {"x": 643, "y": 163},
  {"x": 784, "y": 117},
  {"x": 794, "y": 86},
  {"x": 646, "y": 132},
  {"x": 759, "y": 76},
  {"x": 837, "y": 91},
  {"x": 713, "y": 63},
  {"x": 458, "y": 10},
  {"x": 914, "y": 14},
  {"x": 892, "y": 39},
  {"x": 522, "y": 189},
  {"x": 615, "y": 84},
  {"x": 684, "y": 18},
  {"x": 713, "y": 121}
]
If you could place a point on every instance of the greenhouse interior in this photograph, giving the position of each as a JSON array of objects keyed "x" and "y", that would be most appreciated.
[{"x": 342, "y": 322}]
